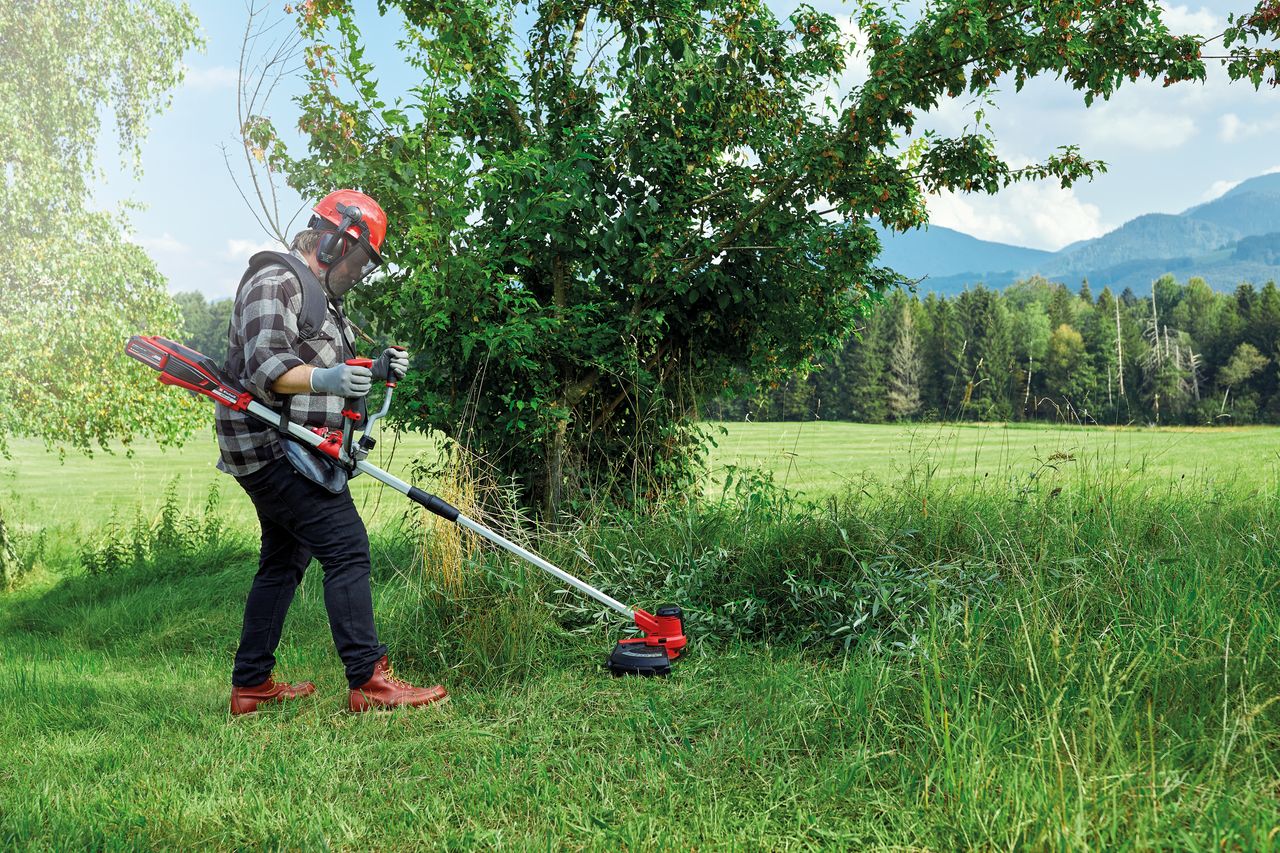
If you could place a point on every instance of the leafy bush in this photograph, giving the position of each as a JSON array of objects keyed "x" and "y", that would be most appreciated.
[
  {"x": 18, "y": 556},
  {"x": 174, "y": 535}
]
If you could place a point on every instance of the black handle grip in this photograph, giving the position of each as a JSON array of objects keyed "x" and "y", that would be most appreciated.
[{"x": 434, "y": 504}]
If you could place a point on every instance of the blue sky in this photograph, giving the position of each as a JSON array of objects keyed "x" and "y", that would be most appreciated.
[{"x": 1167, "y": 149}]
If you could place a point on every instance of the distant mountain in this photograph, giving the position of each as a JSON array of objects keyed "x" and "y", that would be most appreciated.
[
  {"x": 1231, "y": 239},
  {"x": 934, "y": 250},
  {"x": 1154, "y": 235},
  {"x": 1249, "y": 209}
]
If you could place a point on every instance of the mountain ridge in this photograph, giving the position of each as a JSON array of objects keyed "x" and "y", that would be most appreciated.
[{"x": 1227, "y": 240}]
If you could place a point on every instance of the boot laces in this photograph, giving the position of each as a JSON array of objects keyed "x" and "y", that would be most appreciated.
[{"x": 390, "y": 675}]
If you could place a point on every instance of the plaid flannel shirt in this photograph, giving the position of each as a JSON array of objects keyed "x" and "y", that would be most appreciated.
[{"x": 264, "y": 328}]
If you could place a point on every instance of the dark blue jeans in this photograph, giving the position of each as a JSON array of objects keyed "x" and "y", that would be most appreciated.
[{"x": 299, "y": 520}]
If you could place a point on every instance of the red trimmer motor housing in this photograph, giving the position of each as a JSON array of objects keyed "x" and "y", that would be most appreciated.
[{"x": 652, "y": 654}]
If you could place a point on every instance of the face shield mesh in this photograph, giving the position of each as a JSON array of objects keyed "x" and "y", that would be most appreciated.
[{"x": 352, "y": 266}]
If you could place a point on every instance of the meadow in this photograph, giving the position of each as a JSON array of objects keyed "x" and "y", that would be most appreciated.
[
  {"x": 41, "y": 488},
  {"x": 904, "y": 638}
]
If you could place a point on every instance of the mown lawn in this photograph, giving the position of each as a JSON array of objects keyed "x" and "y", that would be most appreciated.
[
  {"x": 39, "y": 489},
  {"x": 1070, "y": 651},
  {"x": 824, "y": 458}
]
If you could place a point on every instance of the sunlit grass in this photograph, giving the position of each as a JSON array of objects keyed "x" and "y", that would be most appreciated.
[
  {"x": 1069, "y": 644},
  {"x": 814, "y": 458}
]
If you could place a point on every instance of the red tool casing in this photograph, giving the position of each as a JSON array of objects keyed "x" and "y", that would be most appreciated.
[
  {"x": 666, "y": 629},
  {"x": 186, "y": 368}
]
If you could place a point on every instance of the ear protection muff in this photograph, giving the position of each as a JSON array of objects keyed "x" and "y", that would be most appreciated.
[{"x": 329, "y": 249}]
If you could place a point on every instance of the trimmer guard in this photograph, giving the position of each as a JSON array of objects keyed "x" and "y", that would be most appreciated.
[{"x": 633, "y": 657}]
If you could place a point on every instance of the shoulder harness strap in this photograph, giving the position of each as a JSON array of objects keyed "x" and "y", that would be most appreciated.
[{"x": 311, "y": 317}]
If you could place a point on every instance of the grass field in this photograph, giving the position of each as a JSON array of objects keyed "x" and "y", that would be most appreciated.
[
  {"x": 812, "y": 458},
  {"x": 970, "y": 638},
  {"x": 824, "y": 458}
]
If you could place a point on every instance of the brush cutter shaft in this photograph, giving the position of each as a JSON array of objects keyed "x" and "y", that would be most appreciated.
[
  {"x": 444, "y": 510},
  {"x": 186, "y": 368},
  {"x": 531, "y": 557}
]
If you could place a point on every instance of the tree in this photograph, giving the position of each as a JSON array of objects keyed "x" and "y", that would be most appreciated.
[
  {"x": 904, "y": 368},
  {"x": 1245, "y": 363},
  {"x": 945, "y": 378},
  {"x": 1167, "y": 293},
  {"x": 831, "y": 385},
  {"x": 1106, "y": 356},
  {"x": 865, "y": 372},
  {"x": 989, "y": 374},
  {"x": 75, "y": 288},
  {"x": 1062, "y": 307},
  {"x": 1169, "y": 373},
  {"x": 204, "y": 323},
  {"x": 1198, "y": 314},
  {"x": 1029, "y": 329},
  {"x": 620, "y": 212},
  {"x": 1068, "y": 374},
  {"x": 1263, "y": 331}
]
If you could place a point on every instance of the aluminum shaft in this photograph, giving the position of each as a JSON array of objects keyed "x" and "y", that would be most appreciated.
[{"x": 305, "y": 435}]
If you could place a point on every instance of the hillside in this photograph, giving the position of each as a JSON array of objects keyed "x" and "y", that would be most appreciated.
[
  {"x": 1231, "y": 239},
  {"x": 1154, "y": 235},
  {"x": 938, "y": 251}
]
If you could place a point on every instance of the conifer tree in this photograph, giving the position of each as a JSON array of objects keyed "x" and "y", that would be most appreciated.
[
  {"x": 989, "y": 373},
  {"x": 905, "y": 367}
]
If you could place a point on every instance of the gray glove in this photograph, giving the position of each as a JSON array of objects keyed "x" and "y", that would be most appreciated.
[
  {"x": 392, "y": 362},
  {"x": 343, "y": 380}
]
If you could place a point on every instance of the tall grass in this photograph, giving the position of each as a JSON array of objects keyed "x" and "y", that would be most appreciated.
[{"x": 1069, "y": 656}]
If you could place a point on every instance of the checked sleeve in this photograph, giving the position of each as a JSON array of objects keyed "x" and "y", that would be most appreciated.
[{"x": 269, "y": 328}]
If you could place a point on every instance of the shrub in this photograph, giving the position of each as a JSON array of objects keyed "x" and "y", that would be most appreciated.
[{"x": 174, "y": 536}]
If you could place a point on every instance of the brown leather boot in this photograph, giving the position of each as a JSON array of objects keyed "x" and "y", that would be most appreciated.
[
  {"x": 245, "y": 700},
  {"x": 384, "y": 692}
]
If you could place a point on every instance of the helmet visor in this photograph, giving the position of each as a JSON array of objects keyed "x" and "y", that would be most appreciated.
[{"x": 352, "y": 266}]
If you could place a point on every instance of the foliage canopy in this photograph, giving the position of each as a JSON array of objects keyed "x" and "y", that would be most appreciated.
[
  {"x": 605, "y": 213},
  {"x": 74, "y": 287}
]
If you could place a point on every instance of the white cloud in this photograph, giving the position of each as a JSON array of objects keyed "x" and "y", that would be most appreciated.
[
  {"x": 1041, "y": 215},
  {"x": 241, "y": 250},
  {"x": 215, "y": 77},
  {"x": 1181, "y": 20},
  {"x": 166, "y": 243},
  {"x": 1233, "y": 129},
  {"x": 1218, "y": 189},
  {"x": 1141, "y": 128},
  {"x": 1230, "y": 127}
]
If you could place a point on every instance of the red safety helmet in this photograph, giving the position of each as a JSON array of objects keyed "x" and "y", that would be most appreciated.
[{"x": 355, "y": 214}]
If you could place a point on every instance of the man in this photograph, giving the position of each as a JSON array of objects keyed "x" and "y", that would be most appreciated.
[{"x": 275, "y": 354}]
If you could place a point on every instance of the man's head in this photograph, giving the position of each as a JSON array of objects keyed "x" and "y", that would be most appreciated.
[{"x": 343, "y": 240}]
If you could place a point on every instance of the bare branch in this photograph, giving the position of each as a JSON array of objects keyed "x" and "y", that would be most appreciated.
[{"x": 260, "y": 71}]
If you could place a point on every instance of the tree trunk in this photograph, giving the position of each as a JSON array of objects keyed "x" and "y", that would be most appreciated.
[
  {"x": 555, "y": 454},
  {"x": 1119, "y": 351},
  {"x": 8, "y": 558},
  {"x": 555, "y": 472}
]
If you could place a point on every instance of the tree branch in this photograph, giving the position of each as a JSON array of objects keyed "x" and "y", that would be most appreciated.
[{"x": 764, "y": 204}]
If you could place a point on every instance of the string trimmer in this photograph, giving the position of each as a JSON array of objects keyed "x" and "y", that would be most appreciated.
[{"x": 663, "y": 637}]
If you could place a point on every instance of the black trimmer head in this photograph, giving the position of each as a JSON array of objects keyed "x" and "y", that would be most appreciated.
[
  {"x": 635, "y": 658},
  {"x": 653, "y": 653}
]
